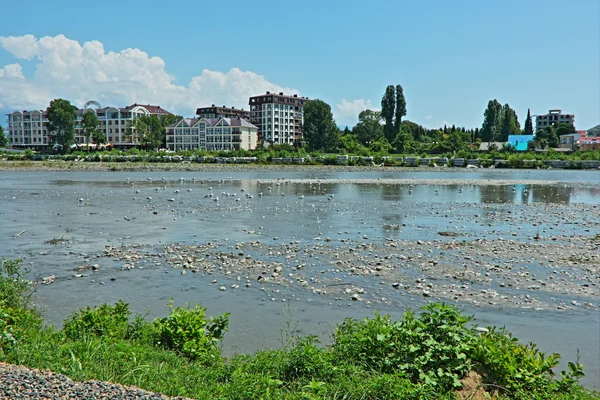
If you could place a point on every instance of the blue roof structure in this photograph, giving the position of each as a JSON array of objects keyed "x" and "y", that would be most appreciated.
[{"x": 519, "y": 142}]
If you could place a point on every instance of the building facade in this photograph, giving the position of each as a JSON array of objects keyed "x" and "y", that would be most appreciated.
[
  {"x": 28, "y": 129},
  {"x": 213, "y": 134},
  {"x": 279, "y": 118},
  {"x": 553, "y": 117},
  {"x": 222, "y": 112}
]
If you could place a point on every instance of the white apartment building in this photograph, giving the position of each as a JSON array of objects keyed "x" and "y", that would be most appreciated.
[
  {"x": 553, "y": 117},
  {"x": 212, "y": 134},
  {"x": 28, "y": 129},
  {"x": 278, "y": 117}
]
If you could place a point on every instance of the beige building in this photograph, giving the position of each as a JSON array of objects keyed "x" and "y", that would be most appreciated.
[
  {"x": 212, "y": 134},
  {"x": 554, "y": 117},
  {"x": 28, "y": 129}
]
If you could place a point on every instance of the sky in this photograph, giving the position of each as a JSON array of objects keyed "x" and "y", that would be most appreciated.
[{"x": 451, "y": 57}]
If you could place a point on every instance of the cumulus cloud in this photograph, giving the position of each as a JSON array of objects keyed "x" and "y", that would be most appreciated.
[
  {"x": 80, "y": 72},
  {"x": 346, "y": 112}
]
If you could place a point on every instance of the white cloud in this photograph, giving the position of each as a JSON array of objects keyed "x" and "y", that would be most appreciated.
[
  {"x": 66, "y": 68},
  {"x": 346, "y": 112},
  {"x": 14, "y": 71},
  {"x": 428, "y": 117}
]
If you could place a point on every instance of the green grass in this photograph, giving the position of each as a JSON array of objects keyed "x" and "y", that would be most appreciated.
[{"x": 420, "y": 356}]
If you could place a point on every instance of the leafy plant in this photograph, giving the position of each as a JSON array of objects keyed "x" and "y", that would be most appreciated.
[
  {"x": 189, "y": 332},
  {"x": 105, "y": 321}
]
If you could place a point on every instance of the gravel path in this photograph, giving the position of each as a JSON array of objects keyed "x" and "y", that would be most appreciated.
[{"x": 18, "y": 382}]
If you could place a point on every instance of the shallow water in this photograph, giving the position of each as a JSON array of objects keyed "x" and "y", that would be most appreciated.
[{"x": 87, "y": 211}]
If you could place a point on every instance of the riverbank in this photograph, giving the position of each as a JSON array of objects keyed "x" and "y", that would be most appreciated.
[{"x": 435, "y": 354}]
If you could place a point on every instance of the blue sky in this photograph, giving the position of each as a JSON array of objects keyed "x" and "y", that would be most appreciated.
[{"x": 450, "y": 56}]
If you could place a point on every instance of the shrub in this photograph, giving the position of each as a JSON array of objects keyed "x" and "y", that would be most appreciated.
[
  {"x": 14, "y": 289},
  {"x": 432, "y": 348},
  {"x": 104, "y": 321},
  {"x": 189, "y": 332}
]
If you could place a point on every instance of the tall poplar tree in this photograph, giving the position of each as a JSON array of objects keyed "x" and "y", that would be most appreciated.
[
  {"x": 400, "y": 108},
  {"x": 528, "y": 129},
  {"x": 509, "y": 125},
  {"x": 388, "y": 108},
  {"x": 490, "y": 129}
]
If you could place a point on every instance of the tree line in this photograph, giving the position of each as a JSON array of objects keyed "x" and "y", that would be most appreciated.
[{"x": 386, "y": 131}]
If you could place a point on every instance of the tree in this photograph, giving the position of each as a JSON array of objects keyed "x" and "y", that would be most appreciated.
[
  {"x": 546, "y": 137},
  {"x": 369, "y": 127},
  {"x": 388, "y": 107},
  {"x": 150, "y": 130},
  {"x": 416, "y": 131},
  {"x": 89, "y": 122},
  {"x": 320, "y": 130},
  {"x": 400, "y": 108},
  {"x": 564, "y": 128},
  {"x": 509, "y": 125},
  {"x": 3, "y": 138},
  {"x": 403, "y": 143},
  {"x": 61, "y": 123},
  {"x": 491, "y": 124},
  {"x": 98, "y": 137},
  {"x": 528, "y": 129}
]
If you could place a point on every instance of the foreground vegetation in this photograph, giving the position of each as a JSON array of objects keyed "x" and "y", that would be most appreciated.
[{"x": 424, "y": 356}]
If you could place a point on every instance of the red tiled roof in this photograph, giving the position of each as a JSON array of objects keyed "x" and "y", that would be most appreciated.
[{"x": 151, "y": 109}]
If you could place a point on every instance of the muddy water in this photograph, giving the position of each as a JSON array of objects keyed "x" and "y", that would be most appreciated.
[{"x": 59, "y": 221}]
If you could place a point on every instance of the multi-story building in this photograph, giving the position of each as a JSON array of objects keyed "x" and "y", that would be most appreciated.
[
  {"x": 553, "y": 117},
  {"x": 28, "y": 129},
  {"x": 279, "y": 118},
  {"x": 222, "y": 112},
  {"x": 212, "y": 134}
]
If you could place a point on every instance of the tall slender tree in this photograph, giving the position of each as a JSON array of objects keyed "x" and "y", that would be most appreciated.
[
  {"x": 400, "y": 109},
  {"x": 90, "y": 122},
  {"x": 3, "y": 138},
  {"x": 388, "y": 107},
  {"x": 528, "y": 129},
  {"x": 491, "y": 123},
  {"x": 509, "y": 124}
]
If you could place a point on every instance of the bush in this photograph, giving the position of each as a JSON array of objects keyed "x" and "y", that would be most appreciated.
[
  {"x": 433, "y": 348},
  {"x": 15, "y": 291},
  {"x": 189, "y": 332},
  {"x": 104, "y": 321}
]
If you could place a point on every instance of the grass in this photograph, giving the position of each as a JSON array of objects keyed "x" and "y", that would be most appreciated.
[{"x": 420, "y": 356}]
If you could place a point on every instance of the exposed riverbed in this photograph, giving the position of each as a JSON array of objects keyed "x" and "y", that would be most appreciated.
[{"x": 274, "y": 247}]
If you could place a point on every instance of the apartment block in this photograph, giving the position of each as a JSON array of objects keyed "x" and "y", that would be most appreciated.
[
  {"x": 222, "y": 112},
  {"x": 28, "y": 129},
  {"x": 279, "y": 117},
  {"x": 212, "y": 134},
  {"x": 553, "y": 117}
]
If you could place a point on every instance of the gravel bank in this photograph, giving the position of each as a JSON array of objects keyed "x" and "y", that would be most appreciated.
[{"x": 18, "y": 382}]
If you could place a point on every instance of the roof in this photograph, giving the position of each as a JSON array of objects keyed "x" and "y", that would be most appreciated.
[
  {"x": 151, "y": 109},
  {"x": 485, "y": 146},
  {"x": 236, "y": 121},
  {"x": 595, "y": 131},
  {"x": 520, "y": 142}
]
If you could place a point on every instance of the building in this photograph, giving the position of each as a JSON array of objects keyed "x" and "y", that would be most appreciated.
[
  {"x": 212, "y": 134},
  {"x": 222, "y": 112},
  {"x": 571, "y": 140},
  {"x": 553, "y": 117},
  {"x": 594, "y": 132},
  {"x": 520, "y": 142},
  {"x": 279, "y": 118},
  {"x": 28, "y": 129}
]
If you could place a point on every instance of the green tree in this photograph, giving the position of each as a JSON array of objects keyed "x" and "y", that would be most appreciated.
[
  {"x": 98, "y": 137},
  {"x": 61, "y": 116},
  {"x": 564, "y": 128},
  {"x": 528, "y": 129},
  {"x": 400, "y": 108},
  {"x": 369, "y": 127},
  {"x": 3, "y": 138},
  {"x": 417, "y": 132},
  {"x": 320, "y": 130},
  {"x": 403, "y": 142},
  {"x": 509, "y": 125},
  {"x": 150, "y": 131},
  {"x": 388, "y": 108},
  {"x": 490, "y": 129},
  {"x": 89, "y": 122},
  {"x": 546, "y": 137}
]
